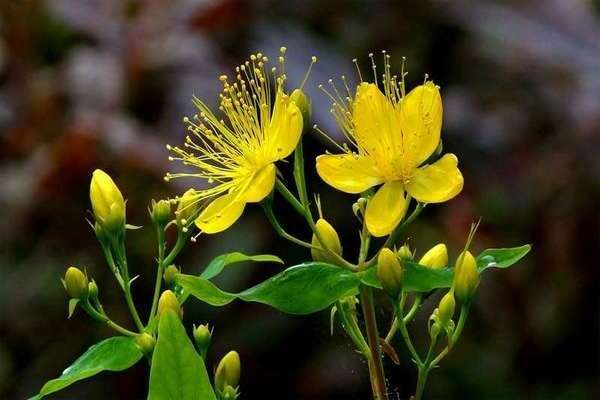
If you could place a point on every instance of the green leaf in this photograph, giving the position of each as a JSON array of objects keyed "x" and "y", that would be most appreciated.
[
  {"x": 501, "y": 258},
  {"x": 301, "y": 289},
  {"x": 304, "y": 288},
  {"x": 202, "y": 289},
  {"x": 418, "y": 278},
  {"x": 217, "y": 265},
  {"x": 178, "y": 372},
  {"x": 113, "y": 354}
]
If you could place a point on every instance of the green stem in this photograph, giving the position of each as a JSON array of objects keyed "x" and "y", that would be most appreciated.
[
  {"x": 164, "y": 262},
  {"x": 421, "y": 381},
  {"x": 352, "y": 329},
  {"x": 119, "y": 248},
  {"x": 462, "y": 319},
  {"x": 375, "y": 363},
  {"x": 404, "y": 331},
  {"x": 105, "y": 319},
  {"x": 407, "y": 318},
  {"x": 279, "y": 229}
]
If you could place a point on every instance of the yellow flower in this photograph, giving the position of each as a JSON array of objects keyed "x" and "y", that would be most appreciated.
[
  {"x": 236, "y": 156},
  {"x": 391, "y": 135}
]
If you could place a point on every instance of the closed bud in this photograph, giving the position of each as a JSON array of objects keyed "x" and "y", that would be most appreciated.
[
  {"x": 331, "y": 239},
  {"x": 466, "y": 277},
  {"x": 93, "y": 290},
  {"x": 202, "y": 336},
  {"x": 187, "y": 207},
  {"x": 161, "y": 212},
  {"x": 446, "y": 308},
  {"x": 390, "y": 272},
  {"x": 145, "y": 342},
  {"x": 75, "y": 283},
  {"x": 107, "y": 202},
  {"x": 168, "y": 301},
  {"x": 228, "y": 371},
  {"x": 436, "y": 257},
  {"x": 404, "y": 253},
  {"x": 169, "y": 275},
  {"x": 303, "y": 103}
]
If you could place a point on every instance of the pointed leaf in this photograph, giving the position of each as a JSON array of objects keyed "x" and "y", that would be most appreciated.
[
  {"x": 217, "y": 265},
  {"x": 113, "y": 354},
  {"x": 203, "y": 290},
  {"x": 177, "y": 372},
  {"x": 304, "y": 288},
  {"x": 501, "y": 258}
]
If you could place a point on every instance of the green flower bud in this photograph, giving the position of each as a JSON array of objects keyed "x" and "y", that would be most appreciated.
[
  {"x": 145, "y": 342},
  {"x": 161, "y": 212},
  {"x": 75, "y": 283},
  {"x": 107, "y": 202},
  {"x": 331, "y": 239},
  {"x": 228, "y": 371},
  {"x": 303, "y": 103},
  {"x": 202, "y": 337},
  {"x": 436, "y": 257},
  {"x": 446, "y": 308},
  {"x": 404, "y": 253},
  {"x": 390, "y": 272},
  {"x": 466, "y": 277},
  {"x": 168, "y": 301},
  {"x": 93, "y": 290},
  {"x": 187, "y": 207},
  {"x": 169, "y": 275}
]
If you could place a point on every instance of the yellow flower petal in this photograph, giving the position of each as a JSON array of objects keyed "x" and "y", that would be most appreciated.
[
  {"x": 221, "y": 213},
  {"x": 261, "y": 184},
  {"x": 437, "y": 182},
  {"x": 421, "y": 119},
  {"x": 348, "y": 172},
  {"x": 376, "y": 125},
  {"x": 386, "y": 209},
  {"x": 285, "y": 128}
]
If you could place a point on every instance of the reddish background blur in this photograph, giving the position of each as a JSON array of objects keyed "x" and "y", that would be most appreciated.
[{"x": 105, "y": 84}]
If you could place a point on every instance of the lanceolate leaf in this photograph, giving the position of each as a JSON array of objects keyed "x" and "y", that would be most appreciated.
[
  {"x": 113, "y": 354},
  {"x": 418, "y": 278},
  {"x": 304, "y": 288},
  {"x": 301, "y": 289},
  {"x": 217, "y": 265},
  {"x": 177, "y": 372}
]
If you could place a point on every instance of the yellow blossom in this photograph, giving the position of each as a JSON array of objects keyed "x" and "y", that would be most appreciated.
[
  {"x": 391, "y": 135},
  {"x": 236, "y": 155}
]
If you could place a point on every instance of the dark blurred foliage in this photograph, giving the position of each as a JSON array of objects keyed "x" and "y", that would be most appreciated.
[{"x": 90, "y": 84}]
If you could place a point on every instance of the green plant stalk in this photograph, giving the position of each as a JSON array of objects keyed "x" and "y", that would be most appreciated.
[
  {"x": 399, "y": 308},
  {"x": 428, "y": 364},
  {"x": 105, "y": 319},
  {"x": 305, "y": 212},
  {"x": 279, "y": 229},
  {"x": 352, "y": 329},
  {"x": 407, "y": 318},
  {"x": 119, "y": 249},
  {"x": 164, "y": 262}
]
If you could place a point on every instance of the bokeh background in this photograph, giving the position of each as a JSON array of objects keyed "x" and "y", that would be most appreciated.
[{"x": 88, "y": 84}]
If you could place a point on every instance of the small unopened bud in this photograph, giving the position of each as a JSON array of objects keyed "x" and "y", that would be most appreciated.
[
  {"x": 169, "y": 275},
  {"x": 404, "y": 253},
  {"x": 390, "y": 272},
  {"x": 75, "y": 283},
  {"x": 331, "y": 239},
  {"x": 228, "y": 371},
  {"x": 107, "y": 201},
  {"x": 466, "y": 277},
  {"x": 145, "y": 342},
  {"x": 187, "y": 207},
  {"x": 160, "y": 212},
  {"x": 202, "y": 337},
  {"x": 436, "y": 257},
  {"x": 303, "y": 103},
  {"x": 446, "y": 308},
  {"x": 168, "y": 301},
  {"x": 93, "y": 290}
]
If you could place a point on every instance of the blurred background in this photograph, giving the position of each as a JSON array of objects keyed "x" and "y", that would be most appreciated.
[{"x": 88, "y": 84}]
